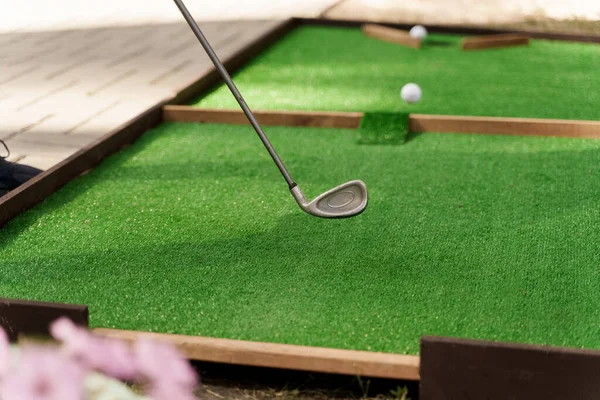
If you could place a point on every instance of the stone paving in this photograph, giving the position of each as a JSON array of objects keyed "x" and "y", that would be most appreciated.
[{"x": 74, "y": 71}]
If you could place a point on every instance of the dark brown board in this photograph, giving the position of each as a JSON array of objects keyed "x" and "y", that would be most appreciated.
[
  {"x": 25, "y": 317},
  {"x": 471, "y": 369}
]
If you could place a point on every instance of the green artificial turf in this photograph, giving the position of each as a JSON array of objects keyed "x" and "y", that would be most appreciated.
[
  {"x": 339, "y": 69},
  {"x": 383, "y": 128},
  {"x": 192, "y": 230}
]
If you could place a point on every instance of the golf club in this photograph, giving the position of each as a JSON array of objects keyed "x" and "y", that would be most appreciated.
[{"x": 342, "y": 201}]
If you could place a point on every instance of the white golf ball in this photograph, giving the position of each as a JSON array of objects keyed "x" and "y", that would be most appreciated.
[
  {"x": 418, "y": 32},
  {"x": 411, "y": 93}
]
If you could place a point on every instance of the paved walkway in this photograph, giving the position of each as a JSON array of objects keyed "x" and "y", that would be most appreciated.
[
  {"x": 79, "y": 85},
  {"x": 74, "y": 71}
]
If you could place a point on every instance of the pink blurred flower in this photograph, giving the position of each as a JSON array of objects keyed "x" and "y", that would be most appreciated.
[
  {"x": 111, "y": 357},
  {"x": 44, "y": 374},
  {"x": 5, "y": 355},
  {"x": 164, "y": 366},
  {"x": 76, "y": 340}
]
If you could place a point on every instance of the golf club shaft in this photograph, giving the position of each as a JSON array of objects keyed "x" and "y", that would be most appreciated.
[{"x": 225, "y": 75}]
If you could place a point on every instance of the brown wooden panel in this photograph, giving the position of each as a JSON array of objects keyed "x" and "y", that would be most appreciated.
[
  {"x": 323, "y": 119},
  {"x": 24, "y": 317},
  {"x": 494, "y": 41},
  {"x": 304, "y": 358},
  {"x": 471, "y": 369},
  {"x": 391, "y": 35},
  {"x": 505, "y": 126}
]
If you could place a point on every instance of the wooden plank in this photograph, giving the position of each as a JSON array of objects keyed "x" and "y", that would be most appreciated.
[
  {"x": 470, "y": 369},
  {"x": 504, "y": 126},
  {"x": 43, "y": 185},
  {"x": 494, "y": 41},
  {"x": 391, "y": 35},
  {"x": 24, "y": 317},
  {"x": 304, "y": 358},
  {"x": 322, "y": 119}
]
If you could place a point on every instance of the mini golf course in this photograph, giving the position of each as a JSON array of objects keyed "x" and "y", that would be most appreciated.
[{"x": 191, "y": 231}]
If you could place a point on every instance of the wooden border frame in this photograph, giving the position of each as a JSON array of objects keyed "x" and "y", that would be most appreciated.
[
  {"x": 284, "y": 356},
  {"x": 273, "y": 355},
  {"x": 176, "y": 113},
  {"x": 418, "y": 123}
]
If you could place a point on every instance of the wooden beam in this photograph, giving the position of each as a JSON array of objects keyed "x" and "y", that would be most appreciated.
[
  {"x": 473, "y": 369},
  {"x": 417, "y": 123},
  {"x": 391, "y": 35},
  {"x": 504, "y": 126},
  {"x": 24, "y": 317},
  {"x": 284, "y": 356},
  {"x": 494, "y": 41},
  {"x": 321, "y": 119}
]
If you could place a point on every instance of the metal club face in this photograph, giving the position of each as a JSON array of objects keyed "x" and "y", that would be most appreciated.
[{"x": 342, "y": 201}]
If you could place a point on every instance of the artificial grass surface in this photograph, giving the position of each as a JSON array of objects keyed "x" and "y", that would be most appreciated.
[
  {"x": 339, "y": 69},
  {"x": 191, "y": 230}
]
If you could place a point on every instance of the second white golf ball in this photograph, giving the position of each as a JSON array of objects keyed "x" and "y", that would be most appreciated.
[
  {"x": 411, "y": 93},
  {"x": 418, "y": 32}
]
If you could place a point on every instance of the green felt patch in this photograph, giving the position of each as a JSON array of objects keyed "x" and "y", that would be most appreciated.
[
  {"x": 191, "y": 230},
  {"x": 383, "y": 128}
]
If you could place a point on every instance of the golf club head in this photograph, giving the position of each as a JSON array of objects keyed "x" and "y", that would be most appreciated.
[{"x": 343, "y": 201}]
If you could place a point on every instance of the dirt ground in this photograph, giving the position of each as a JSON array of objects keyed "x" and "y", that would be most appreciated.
[{"x": 222, "y": 382}]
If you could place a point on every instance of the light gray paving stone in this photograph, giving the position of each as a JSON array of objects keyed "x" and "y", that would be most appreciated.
[
  {"x": 13, "y": 123},
  {"x": 113, "y": 118},
  {"x": 44, "y": 161},
  {"x": 53, "y": 152},
  {"x": 97, "y": 79}
]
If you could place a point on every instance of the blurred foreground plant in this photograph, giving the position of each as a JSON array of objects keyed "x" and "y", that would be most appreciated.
[{"x": 85, "y": 367}]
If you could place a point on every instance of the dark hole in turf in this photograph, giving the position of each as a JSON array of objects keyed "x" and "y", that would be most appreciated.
[
  {"x": 437, "y": 43},
  {"x": 383, "y": 128}
]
